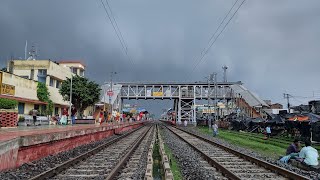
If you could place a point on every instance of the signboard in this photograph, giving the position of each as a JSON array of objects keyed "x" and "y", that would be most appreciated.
[
  {"x": 221, "y": 105},
  {"x": 8, "y": 89},
  {"x": 157, "y": 94},
  {"x": 149, "y": 93},
  {"x": 110, "y": 93},
  {"x": 204, "y": 111}
]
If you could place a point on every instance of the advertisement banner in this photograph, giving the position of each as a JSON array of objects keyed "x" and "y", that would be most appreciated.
[
  {"x": 8, "y": 89},
  {"x": 221, "y": 105},
  {"x": 149, "y": 93},
  {"x": 204, "y": 111},
  {"x": 157, "y": 94}
]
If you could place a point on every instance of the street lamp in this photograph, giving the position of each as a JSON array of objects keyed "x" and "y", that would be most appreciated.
[
  {"x": 70, "y": 102},
  {"x": 111, "y": 90}
]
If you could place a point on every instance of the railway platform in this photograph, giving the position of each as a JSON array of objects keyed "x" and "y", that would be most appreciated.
[{"x": 26, "y": 144}]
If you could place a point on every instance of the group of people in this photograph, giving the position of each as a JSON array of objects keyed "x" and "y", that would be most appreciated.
[
  {"x": 64, "y": 118},
  {"x": 308, "y": 155},
  {"x": 107, "y": 117},
  {"x": 104, "y": 116}
]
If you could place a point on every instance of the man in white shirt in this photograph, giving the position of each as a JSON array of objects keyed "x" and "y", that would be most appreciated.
[
  {"x": 215, "y": 129},
  {"x": 309, "y": 155},
  {"x": 268, "y": 131}
]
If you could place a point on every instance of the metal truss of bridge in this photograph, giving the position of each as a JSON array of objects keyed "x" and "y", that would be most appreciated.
[{"x": 183, "y": 94}]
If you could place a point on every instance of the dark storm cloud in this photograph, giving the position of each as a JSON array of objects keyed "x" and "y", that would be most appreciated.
[{"x": 272, "y": 46}]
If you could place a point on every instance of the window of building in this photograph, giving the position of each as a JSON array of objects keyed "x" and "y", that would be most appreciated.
[
  {"x": 74, "y": 70},
  {"x": 42, "y": 79},
  {"x": 51, "y": 82},
  {"x": 21, "y": 108},
  {"x": 32, "y": 74},
  {"x": 58, "y": 84},
  {"x": 42, "y": 72},
  {"x": 36, "y": 106},
  {"x": 56, "y": 110},
  {"x": 81, "y": 72},
  {"x": 42, "y": 75}
]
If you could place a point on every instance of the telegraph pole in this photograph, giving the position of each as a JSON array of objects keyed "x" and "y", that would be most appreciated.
[
  {"x": 215, "y": 96},
  {"x": 70, "y": 95},
  {"x": 224, "y": 87},
  {"x": 209, "y": 108},
  {"x": 225, "y": 73},
  {"x": 287, "y": 96}
]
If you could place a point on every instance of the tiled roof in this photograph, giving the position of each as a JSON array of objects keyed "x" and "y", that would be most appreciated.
[{"x": 20, "y": 99}]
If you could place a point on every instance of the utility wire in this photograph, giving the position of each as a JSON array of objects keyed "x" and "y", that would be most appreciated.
[
  {"x": 117, "y": 33},
  {"x": 215, "y": 39},
  {"x": 225, "y": 17},
  {"x": 124, "y": 42}
]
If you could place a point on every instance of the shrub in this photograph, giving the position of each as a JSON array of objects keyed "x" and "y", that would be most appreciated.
[
  {"x": 21, "y": 119},
  {"x": 8, "y": 103}
]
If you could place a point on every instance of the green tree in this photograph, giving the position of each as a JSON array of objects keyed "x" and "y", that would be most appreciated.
[
  {"x": 84, "y": 92},
  {"x": 44, "y": 95}
]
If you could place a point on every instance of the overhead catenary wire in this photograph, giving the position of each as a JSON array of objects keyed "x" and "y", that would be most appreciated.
[
  {"x": 124, "y": 47},
  {"x": 215, "y": 32},
  {"x": 215, "y": 39},
  {"x": 115, "y": 21}
]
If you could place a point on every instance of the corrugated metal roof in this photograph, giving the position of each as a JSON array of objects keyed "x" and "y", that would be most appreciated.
[{"x": 252, "y": 99}]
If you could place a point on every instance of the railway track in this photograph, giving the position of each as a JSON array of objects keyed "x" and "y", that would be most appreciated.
[
  {"x": 233, "y": 164},
  {"x": 134, "y": 167},
  {"x": 103, "y": 162}
]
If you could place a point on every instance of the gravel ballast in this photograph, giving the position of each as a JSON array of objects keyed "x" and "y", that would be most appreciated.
[
  {"x": 310, "y": 174},
  {"x": 29, "y": 170},
  {"x": 191, "y": 163}
]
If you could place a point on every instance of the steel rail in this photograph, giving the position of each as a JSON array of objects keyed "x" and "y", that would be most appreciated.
[
  {"x": 61, "y": 167},
  {"x": 124, "y": 160},
  {"x": 276, "y": 169},
  {"x": 211, "y": 161}
]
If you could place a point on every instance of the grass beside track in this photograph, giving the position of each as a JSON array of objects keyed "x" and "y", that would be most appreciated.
[
  {"x": 264, "y": 147},
  {"x": 174, "y": 164},
  {"x": 277, "y": 141}
]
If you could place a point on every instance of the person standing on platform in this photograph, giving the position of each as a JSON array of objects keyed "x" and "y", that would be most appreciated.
[
  {"x": 109, "y": 118},
  {"x": 268, "y": 131},
  {"x": 105, "y": 115},
  {"x": 215, "y": 129},
  {"x": 73, "y": 115},
  {"x": 64, "y": 118},
  {"x": 101, "y": 116},
  {"x": 185, "y": 123},
  {"x": 34, "y": 116}
]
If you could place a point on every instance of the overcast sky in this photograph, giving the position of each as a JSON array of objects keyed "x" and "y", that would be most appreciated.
[{"x": 272, "y": 46}]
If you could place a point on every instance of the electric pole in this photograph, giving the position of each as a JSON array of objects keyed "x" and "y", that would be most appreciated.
[
  {"x": 225, "y": 73},
  {"x": 215, "y": 96},
  {"x": 224, "y": 87},
  {"x": 111, "y": 91},
  {"x": 209, "y": 109},
  {"x": 287, "y": 96}
]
